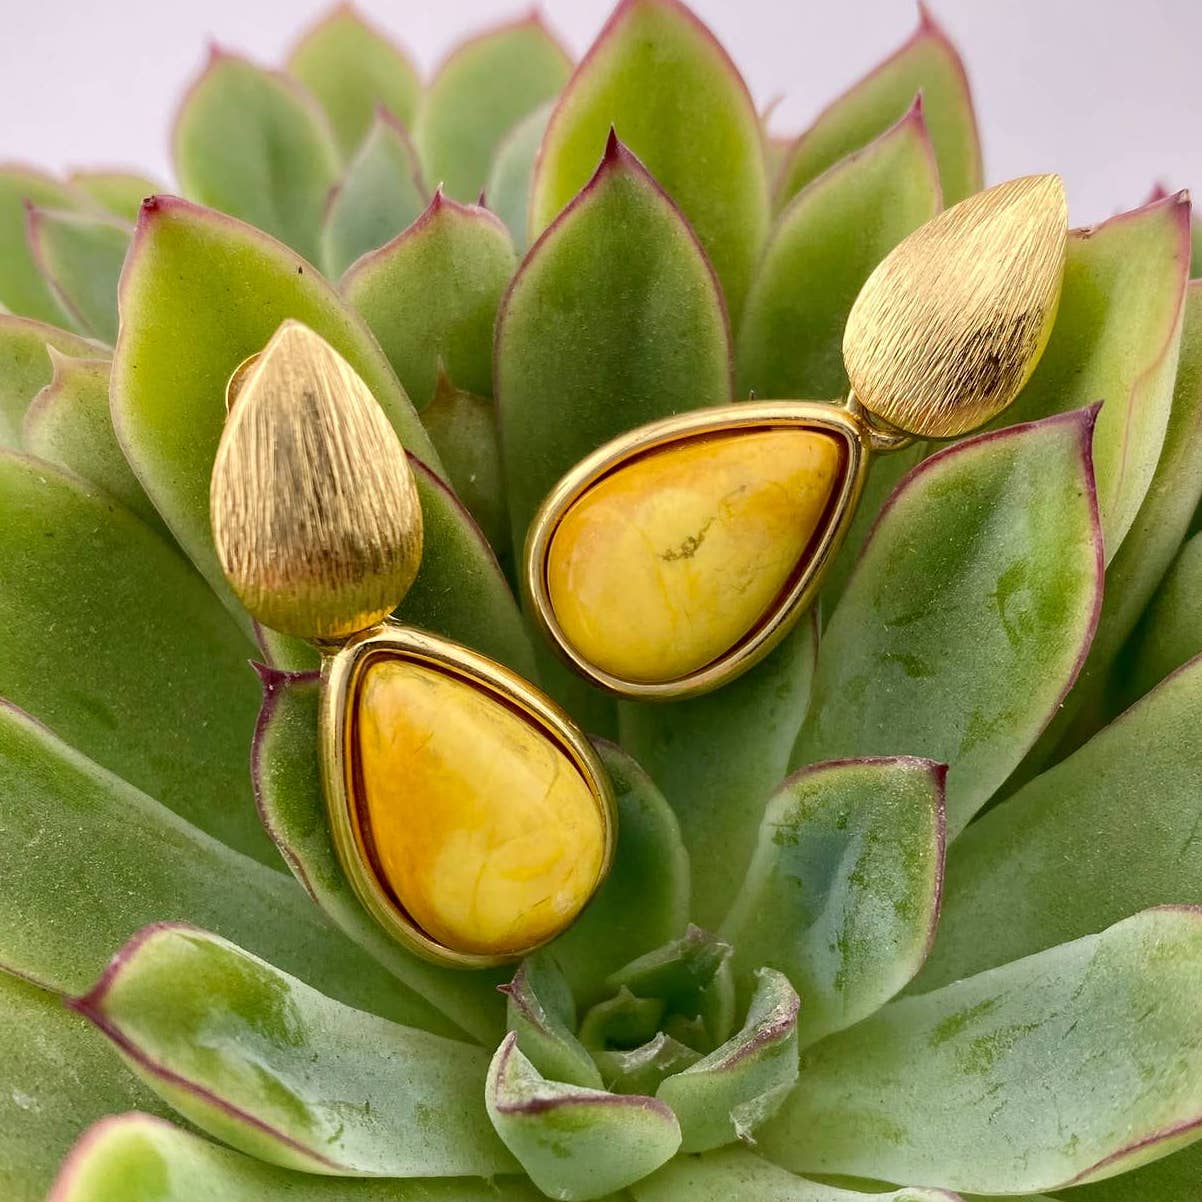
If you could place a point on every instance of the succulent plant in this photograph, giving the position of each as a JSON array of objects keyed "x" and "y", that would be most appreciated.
[{"x": 913, "y": 907}]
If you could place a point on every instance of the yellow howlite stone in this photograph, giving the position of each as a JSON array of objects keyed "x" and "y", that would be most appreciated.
[
  {"x": 668, "y": 562},
  {"x": 484, "y": 829}
]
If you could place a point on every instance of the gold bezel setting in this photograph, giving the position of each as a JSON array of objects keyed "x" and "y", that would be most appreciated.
[
  {"x": 857, "y": 439},
  {"x": 342, "y": 669}
]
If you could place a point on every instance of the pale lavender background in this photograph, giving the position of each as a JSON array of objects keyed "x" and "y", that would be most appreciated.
[{"x": 1106, "y": 92}]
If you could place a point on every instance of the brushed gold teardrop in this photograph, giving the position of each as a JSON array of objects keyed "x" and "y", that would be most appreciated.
[
  {"x": 314, "y": 509},
  {"x": 949, "y": 327}
]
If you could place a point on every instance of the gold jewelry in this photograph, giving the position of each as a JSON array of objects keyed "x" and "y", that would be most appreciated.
[
  {"x": 676, "y": 556},
  {"x": 471, "y": 816}
]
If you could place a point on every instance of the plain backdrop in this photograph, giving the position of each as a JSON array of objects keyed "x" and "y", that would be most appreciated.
[{"x": 1107, "y": 92}]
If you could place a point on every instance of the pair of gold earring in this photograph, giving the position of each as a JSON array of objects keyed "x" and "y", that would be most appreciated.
[{"x": 472, "y": 817}]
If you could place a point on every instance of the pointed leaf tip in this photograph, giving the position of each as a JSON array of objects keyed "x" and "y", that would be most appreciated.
[
  {"x": 837, "y": 229},
  {"x": 618, "y": 236},
  {"x": 255, "y": 143},
  {"x": 650, "y": 67},
  {"x": 483, "y": 88},
  {"x": 926, "y": 60},
  {"x": 422, "y": 301}
]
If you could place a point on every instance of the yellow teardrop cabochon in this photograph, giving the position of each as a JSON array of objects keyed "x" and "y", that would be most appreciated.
[
  {"x": 668, "y": 562},
  {"x": 474, "y": 819},
  {"x": 315, "y": 513},
  {"x": 950, "y": 325}
]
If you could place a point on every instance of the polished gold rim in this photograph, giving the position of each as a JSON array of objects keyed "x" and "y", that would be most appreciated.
[
  {"x": 342, "y": 669},
  {"x": 858, "y": 439}
]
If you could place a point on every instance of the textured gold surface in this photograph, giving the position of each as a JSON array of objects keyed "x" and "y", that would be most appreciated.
[
  {"x": 951, "y": 324},
  {"x": 315, "y": 513}
]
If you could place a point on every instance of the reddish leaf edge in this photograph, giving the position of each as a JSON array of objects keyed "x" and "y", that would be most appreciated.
[
  {"x": 536, "y": 1106},
  {"x": 617, "y": 157},
  {"x": 90, "y": 1006},
  {"x": 1085, "y": 421},
  {"x": 928, "y": 28},
  {"x": 938, "y": 774}
]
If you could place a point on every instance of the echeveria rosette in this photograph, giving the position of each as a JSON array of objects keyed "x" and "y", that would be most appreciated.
[{"x": 879, "y": 925}]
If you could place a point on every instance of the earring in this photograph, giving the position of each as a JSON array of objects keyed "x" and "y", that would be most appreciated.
[
  {"x": 471, "y": 816},
  {"x": 678, "y": 555}
]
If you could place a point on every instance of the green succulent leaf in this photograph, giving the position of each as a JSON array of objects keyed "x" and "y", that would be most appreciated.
[
  {"x": 643, "y": 1069},
  {"x": 275, "y": 1069},
  {"x": 137, "y": 1158},
  {"x": 58, "y": 1077},
  {"x": 1122, "y": 332},
  {"x": 200, "y": 292},
  {"x": 928, "y": 64},
  {"x": 288, "y": 789},
  {"x": 843, "y": 893},
  {"x": 460, "y": 590},
  {"x": 654, "y": 71},
  {"x": 254, "y": 144},
  {"x": 80, "y": 255},
  {"x": 1148, "y": 550},
  {"x": 1138, "y": 283},
  {"x": 88, "y": 860},
  {"x": 776, "y": 145},
  {"x": 541, "y": 1012},
  {"x": 483, "y": 88},
  {"x": 1170, "y": 632},
  {"x": 353, "y": 69},
  {"x": 681, "y": 973},
  {"x": 463, "y": 428},
  {"x": 885, "y": 473},
  {"x": 432, "y": 293},
  {"x": 25, "y": 367},
  {"x": 1023, "y": 878},
  {"x": 117, "y": 645},
  {"x": 68, "y": 423},
  {"x": 970, "y": 612},
  {"x": 507, "y": 192},
  {"x": 575, "y": 1143},
  {"x": 118, "y": 192},
  {"x": 621, "y": 259},
  {"x": 717, "y": 759},
  {"x": 622, "y": 1020},
  {"x": 822, "y": 249},
  {"x": 23, "y": 288},
  {"x": 1116, "y": 340},
  {"x": 381, "y": 193},
  {"x": 1085, "y": 1056},
  {"x": 644, "y": 901},
  {"x": 741, "y": 1084},
  {"x": 737, "y": 1175},
  {"x": 1173, "y": 1179}
]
